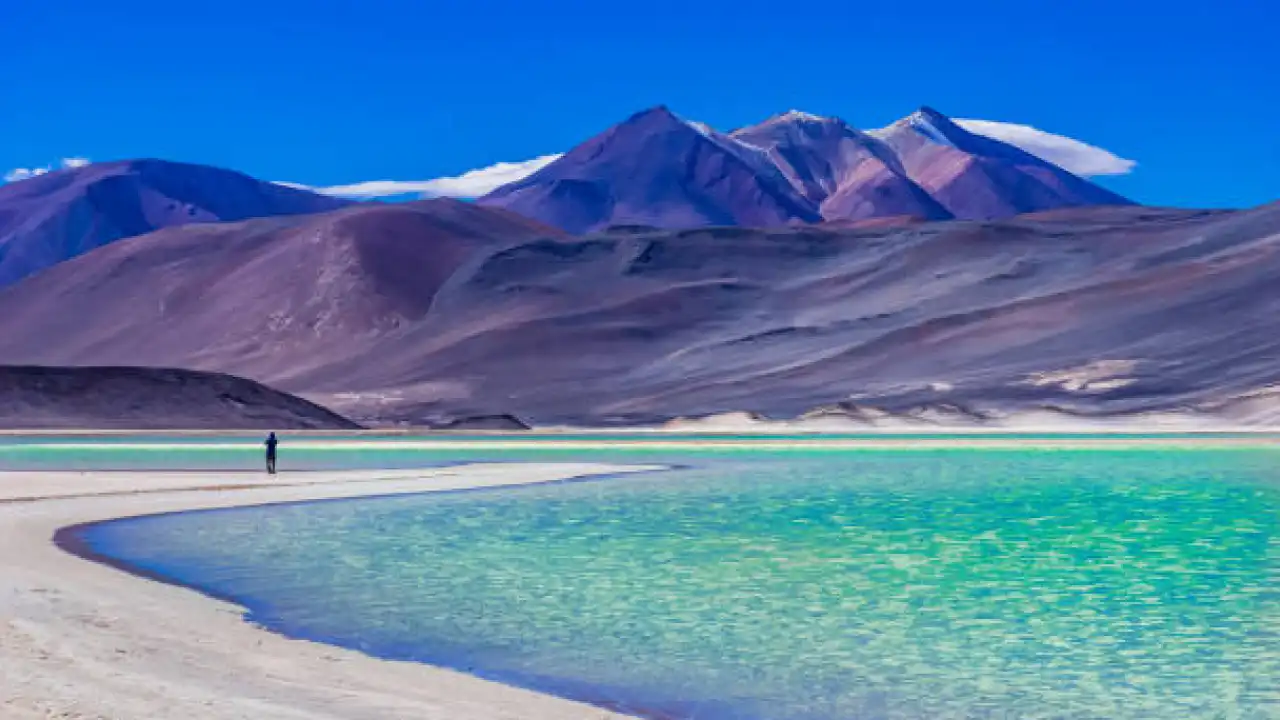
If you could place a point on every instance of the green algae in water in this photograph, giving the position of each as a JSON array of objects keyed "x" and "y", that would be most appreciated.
[{"x": 858, "y": 584}]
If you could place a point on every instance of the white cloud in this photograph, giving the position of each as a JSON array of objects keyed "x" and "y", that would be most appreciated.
[
  {"x": 471, "y": 184},
  {"x": 1067, "y": 153},
  {"x": 475, "y": 183},
  {"x": 294, "y": 185},
  {"x": 17, "y": 174},
  {"x": 367, "y": 189}
]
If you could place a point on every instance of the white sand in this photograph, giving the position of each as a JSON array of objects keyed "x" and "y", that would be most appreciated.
[{"x": 81, "y": 641}]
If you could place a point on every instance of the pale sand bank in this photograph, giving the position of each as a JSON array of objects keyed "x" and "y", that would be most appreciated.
[{"x": 82, "y": 641}]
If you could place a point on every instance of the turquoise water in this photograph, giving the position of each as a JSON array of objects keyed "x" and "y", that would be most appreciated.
[{"x": 791, "y": 585}]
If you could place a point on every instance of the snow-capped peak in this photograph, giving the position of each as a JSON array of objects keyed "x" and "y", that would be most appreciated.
[
  {"x": 758, "y": 159},
  {"x": 700, "y": 127},
  {"x": 799, "y": 116},
  {"x": 932, "y": 124},
  {"x": 705, "y": 129}
]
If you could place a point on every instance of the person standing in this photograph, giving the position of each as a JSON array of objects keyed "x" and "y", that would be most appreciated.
[{"x": 271, "y": 453}]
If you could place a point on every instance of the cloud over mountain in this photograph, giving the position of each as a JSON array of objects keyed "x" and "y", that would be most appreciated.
[
  {"x": 474, "y": 183},
  {"x": 17, "y": 174},
  {"x": 470, "y": 184},
  {"x": 1072, "y": 155}
]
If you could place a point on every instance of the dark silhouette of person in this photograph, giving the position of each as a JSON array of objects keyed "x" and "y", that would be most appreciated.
[{"x": 271, "y": 453}]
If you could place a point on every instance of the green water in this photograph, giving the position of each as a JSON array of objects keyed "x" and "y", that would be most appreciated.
[{"x": 837, "y": 584}]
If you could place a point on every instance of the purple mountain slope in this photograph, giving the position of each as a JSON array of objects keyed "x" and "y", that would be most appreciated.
[
  {"x": 845, "y": 173},
  {"x": 50, "y": 218},
  {"x": 977, "y": 177},
  {"x": 277, "y": 296},
  {"x": 437, "y": 311},
  {"x": 658, "y": 170}
]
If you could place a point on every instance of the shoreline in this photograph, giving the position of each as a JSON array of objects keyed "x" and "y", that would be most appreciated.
[
  {"x": 931, "y": 441},
  {"x": 84, "y": 637},
  {"x": 71, "y": 538}
]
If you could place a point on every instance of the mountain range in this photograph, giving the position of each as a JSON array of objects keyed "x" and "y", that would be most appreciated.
[
  {"x": 657, "y": 169},
  {"x": 654, "y": 169},
  {"x": 662, "y": 269}
]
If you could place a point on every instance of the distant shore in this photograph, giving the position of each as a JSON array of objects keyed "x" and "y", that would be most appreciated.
[
  {"x": 669, "y": 441},
  {"x": 698, "y": 428},
  {"x": 84, "y": 640}
]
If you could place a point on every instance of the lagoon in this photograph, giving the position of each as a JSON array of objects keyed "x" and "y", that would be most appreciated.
[{"x": 806, "y": 584}]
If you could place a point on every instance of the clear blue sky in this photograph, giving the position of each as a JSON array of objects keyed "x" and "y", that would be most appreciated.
[{"x": 325, "y": 92}]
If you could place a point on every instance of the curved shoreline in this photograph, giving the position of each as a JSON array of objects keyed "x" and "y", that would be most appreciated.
[
  {"x": 84, "y": 640},
  {"x": 72, "y": 539}
]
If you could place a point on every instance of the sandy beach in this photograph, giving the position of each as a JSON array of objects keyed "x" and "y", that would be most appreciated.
[{"x": 83, "y": 641}]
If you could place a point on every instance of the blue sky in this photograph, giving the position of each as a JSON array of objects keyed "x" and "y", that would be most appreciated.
[{"x": 327, "y": 93}]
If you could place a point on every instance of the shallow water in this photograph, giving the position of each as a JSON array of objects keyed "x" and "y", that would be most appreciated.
[{"x": 798, "y": 585}]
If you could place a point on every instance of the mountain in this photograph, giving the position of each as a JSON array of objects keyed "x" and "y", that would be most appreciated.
[
  {"x": 124, "y": 398},
  {"x": 659, "y": 170},
  {"x": 846, "y": 173},
  {"x": 59, "y": 215},
  {"x": 977, "y": 177},
  {"x": 272, "y": 297},
  {"x": 440, "y": 311}
]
